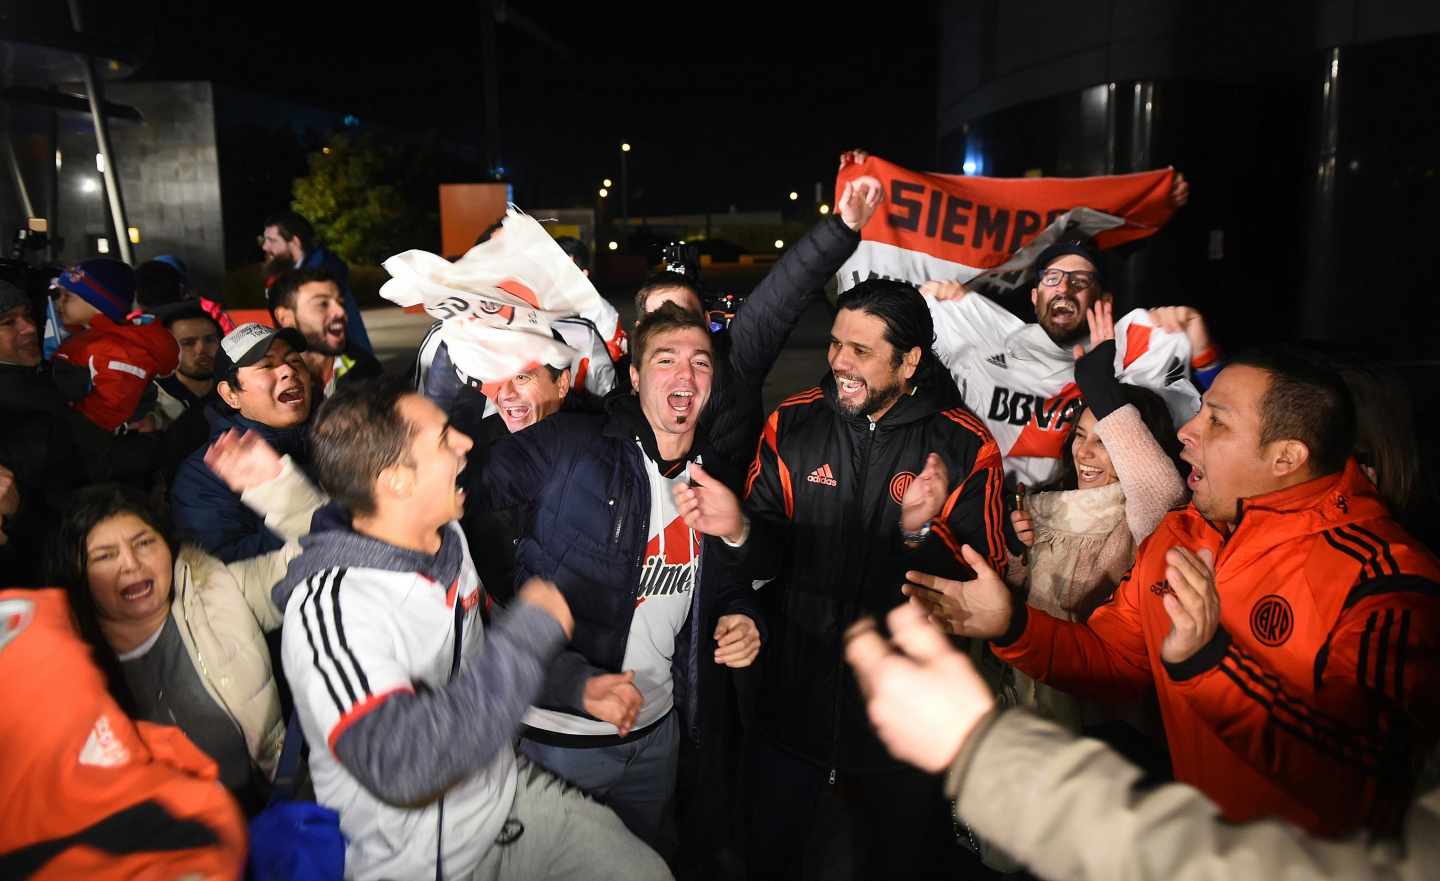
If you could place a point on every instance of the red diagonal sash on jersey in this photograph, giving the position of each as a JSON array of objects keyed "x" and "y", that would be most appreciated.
[{"x": 1046, "y": 431}]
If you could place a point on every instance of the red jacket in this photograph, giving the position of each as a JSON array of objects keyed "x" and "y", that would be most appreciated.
[
  {"x": 87, "y": 792},
  {"x": 123, "y": 360},
  {"x": 1321, "y": 689}
]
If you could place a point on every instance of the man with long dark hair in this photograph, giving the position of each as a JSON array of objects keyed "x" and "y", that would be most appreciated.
[{"x": 879, "y": 470}]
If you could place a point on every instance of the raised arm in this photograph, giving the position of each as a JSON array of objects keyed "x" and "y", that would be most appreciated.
[
  {"x": 1147, "y": 475},
  {"x": 771, "y": 312}
]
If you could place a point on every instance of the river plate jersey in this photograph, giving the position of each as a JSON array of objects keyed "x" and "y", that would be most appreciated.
[
  {"x": 1022, "y": 384},
  {"x": 662, "y": 603}
]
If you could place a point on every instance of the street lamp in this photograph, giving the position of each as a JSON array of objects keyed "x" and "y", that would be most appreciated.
[
  {"x": 604, "y": 192},
  {"x": 779, "y": 243},
  {"x": 625, "y": 185},
  {"x": 794, "y": 196},
  {"x": 824, "y": 209},
  {"x": 614, "y": 246},
  {"x": 607, "y": 182}
]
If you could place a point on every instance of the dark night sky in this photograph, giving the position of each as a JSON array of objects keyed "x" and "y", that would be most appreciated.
[{"x": 724, "y": 104}]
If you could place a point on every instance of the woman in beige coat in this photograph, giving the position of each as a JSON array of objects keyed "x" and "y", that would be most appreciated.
[
  {"x": 1122, "y": 474},
  {"x": 180, "y": 635}
]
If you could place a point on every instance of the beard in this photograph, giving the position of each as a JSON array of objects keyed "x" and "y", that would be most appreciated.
[
  {"x": 197, "y": 373},
  {"x": 274, "y": 267},
  {"x": 1064, "y": 336},
  {"x": 315, "y": 342},
  {"x": 875, "y": 399}
]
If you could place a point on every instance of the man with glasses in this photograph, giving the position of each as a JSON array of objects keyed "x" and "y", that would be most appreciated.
[{"x": 1020, "y": 378}]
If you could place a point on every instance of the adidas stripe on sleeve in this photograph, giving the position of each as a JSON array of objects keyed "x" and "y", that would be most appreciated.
[{"x": 340, "y": 654}]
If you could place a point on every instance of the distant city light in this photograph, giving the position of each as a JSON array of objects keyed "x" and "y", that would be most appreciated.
[
  {"x": 604, "y": 192},
  {"x": 607, "y": 182},
  {"x": 57, "y": 160},
  {"x": 779, "y": 243},
  {"x": 969, "y": 166},
  {"x": 614, "y": 246},
  {"x": 824, "y": 209},
  {"x": 102, "y": 245},
  {"x": 100, "y": 162},
  {"x": 134, "y": 235},
  {"x": 624, "y": 148},
  {"x": 89, "y": 185},
  {"x": 326, "y": 150},
  {"x": 794, "y": 196},
  {"x": 681, "y": 242}
]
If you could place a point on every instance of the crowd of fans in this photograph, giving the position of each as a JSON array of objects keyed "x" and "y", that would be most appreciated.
[{"x": 606, "y": 619}]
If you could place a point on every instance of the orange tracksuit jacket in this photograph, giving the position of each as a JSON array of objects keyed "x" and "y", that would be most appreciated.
[
  {"x": 84, "y": 791},
  {"x": 1318, "y": 694}
]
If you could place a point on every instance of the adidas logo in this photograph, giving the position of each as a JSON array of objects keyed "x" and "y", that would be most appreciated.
[
  {"x": 102, "y": 748},
  {"x": 1174, "y": 371},
  {"x": 824, "y": 475},
  {"x": 998, "y": 360}
]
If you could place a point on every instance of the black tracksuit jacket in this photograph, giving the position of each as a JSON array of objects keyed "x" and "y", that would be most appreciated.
[{"x": 824, "y": 496}]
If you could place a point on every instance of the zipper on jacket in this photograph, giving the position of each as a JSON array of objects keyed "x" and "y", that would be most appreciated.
[
  {"x": 639, "y": 564},
  {"x": 863, "y": 473}
]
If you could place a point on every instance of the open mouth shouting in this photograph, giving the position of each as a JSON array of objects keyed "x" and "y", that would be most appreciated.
[
  {"x": 292, "y": 396},
  {"x": 1088, "y": 476},
  {"x": 850, "y": 386},
  {"x": 138, "y": 590},
  {"x": 1064, "y": 310},
  {"x": 1196, "y": 476},
  {"x": 517, "y": 415},
  {"x": 682, "y": 404},
  {"x": 335, "y": 333}
]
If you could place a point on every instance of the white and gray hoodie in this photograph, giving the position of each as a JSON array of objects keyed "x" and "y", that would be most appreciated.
[{"x": 395, "y": 727}]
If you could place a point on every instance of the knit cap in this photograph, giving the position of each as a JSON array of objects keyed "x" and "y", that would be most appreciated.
[{"x": 103, "y": 282}]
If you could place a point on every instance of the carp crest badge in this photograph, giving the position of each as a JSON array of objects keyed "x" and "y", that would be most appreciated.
[{"x": 1272, "y": 620}]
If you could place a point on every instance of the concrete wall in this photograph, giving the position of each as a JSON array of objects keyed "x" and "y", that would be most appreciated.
[{"x": 170, "y": 174}]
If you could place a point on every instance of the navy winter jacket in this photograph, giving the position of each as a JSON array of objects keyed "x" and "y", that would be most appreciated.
[
  {"x": 585, "y": 476},
  {"x": 208, "y": 513}
]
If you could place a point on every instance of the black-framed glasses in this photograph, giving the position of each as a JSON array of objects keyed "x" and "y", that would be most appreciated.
[{"x": 1079, "y": 279}]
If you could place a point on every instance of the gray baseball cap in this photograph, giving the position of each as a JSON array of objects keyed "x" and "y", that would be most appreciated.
[{"x": 248, "y": 343}]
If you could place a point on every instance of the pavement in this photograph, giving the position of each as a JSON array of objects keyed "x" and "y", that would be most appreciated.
[{"x": 396, "y": 336}]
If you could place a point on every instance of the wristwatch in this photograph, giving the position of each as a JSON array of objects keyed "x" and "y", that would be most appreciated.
[{"x": 916, "y": 537}]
